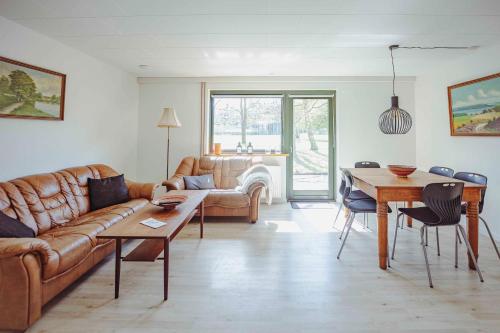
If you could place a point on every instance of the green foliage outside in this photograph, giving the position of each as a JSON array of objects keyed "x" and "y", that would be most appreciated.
[{"x": 310, "y": 115}]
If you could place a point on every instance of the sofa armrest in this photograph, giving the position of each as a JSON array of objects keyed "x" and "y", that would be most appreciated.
[
  {"x": 11, "y": 247},
  {"x": 141, "y": 190},
  {"x": 21, "y": 281},
  {"x": 175, "y": 183},
  {"x": 254, "y": 187},
  {"x": 254, "y": 192}
]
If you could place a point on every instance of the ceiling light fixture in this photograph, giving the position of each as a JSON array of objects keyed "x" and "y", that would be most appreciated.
[{"x": 396, "y": 120}]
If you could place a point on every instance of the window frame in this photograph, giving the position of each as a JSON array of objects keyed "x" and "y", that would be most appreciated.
[{"x": 244, "y": 93}]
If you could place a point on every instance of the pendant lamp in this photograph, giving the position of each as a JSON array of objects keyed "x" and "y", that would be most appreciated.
[{"x": 394, "y": 120}]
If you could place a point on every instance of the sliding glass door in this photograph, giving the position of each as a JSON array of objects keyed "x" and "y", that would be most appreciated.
[
  {"x": 300, "y": 123},
  {"x": 310, "y": 143}
]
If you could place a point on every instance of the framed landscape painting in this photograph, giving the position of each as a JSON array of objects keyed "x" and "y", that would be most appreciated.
[
  {"x": 30, "y": 92},
  {"x": 474, "y": 107}
]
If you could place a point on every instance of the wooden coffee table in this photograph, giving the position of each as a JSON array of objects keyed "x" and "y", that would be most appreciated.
[{"x": 155, "y": 240}]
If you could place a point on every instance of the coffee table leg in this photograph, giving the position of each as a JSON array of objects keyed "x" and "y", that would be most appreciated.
[
  {"x": 202, "y": 217},
  {"x": 118, "y": 260},
  {"x": 166, "y": 254}
]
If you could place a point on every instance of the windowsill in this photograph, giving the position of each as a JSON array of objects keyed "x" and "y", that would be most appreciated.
[{"x": 259, "y": 154}]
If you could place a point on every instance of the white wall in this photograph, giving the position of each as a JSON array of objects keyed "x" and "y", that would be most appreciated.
[
  {"x": 100, "y": 112},
  {"x": 435, "y": 145},
  {"x": 360, "y": 101}
]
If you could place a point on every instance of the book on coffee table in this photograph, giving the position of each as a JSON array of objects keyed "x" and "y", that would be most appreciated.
[{"x": 152, "y": 223}]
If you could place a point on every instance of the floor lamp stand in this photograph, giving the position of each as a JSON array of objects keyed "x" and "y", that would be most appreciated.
[{"x": 168, "y": 147}]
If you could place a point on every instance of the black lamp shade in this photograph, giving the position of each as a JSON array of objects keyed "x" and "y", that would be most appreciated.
[{"x": 395, "y": 120}]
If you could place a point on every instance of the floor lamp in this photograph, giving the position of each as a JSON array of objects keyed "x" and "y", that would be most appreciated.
[{"x": 168, "y": 119}]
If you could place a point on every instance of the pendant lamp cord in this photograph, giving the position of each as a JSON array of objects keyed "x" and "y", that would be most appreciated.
[
  {"x": 422, "y": 48},
  {"x": 393, "y": 73}
]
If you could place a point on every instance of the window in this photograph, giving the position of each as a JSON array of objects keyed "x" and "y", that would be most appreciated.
[{"x": 245, "y": 119}]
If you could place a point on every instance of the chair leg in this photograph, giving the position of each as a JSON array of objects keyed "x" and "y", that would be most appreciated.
[
  {"x": 459, "y": 238},
  {"x": 395, "y": 235},
  {"x": 471, "y": 253},
  {"x": 350, "y": 222},
  {"x": 491, "y": 236},
  {"x": 388, "y": 256},
  {"x": 422, "y": 242},
  {"x": 456, "y": 247},
  {"x": 338, "y": 213},
  {"x": 437, "y": 240},
  {"x": 403, "y": 220},
  {"x": 345, "y": 225}
]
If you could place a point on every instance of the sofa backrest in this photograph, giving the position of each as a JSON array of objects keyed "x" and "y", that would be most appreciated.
[
  {"x": 225, "y": 169},
  {"x": 45, "y": 201}
]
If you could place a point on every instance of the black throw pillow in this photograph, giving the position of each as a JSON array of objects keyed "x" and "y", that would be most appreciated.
[
  {"x": 12, "y": 228},
  {"x": 107, "y": 192}
]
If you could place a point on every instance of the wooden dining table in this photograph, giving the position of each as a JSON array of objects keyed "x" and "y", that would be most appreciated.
[{"x": 384, "y": 187}]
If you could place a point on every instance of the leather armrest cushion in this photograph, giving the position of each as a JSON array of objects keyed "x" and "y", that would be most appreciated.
[
  {"x": 10, "y": 247},
  {"x": 141, "y": 190},
  {"x": 175, "y": 183},
  {"x": 254, "y": 187}
]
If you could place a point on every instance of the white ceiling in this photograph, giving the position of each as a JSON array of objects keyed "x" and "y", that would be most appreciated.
[{"x": 263, "y": 37}]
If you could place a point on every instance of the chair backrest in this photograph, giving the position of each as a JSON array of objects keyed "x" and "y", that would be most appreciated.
[
  {"x": 442, "y": 171},
  {"x": 347, "y": 177},
  {"x": 445, "y": 200},
  {"x": 475, "y": 178},
  {"x": 366, "y": 164},
  {"x": 342, "y": 186}
]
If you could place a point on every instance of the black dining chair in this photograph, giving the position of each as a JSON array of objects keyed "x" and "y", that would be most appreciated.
[
  {"x": 482, "y": 180},
  {"x": 446, "y": 172},
  {"x": 443, "y": 208},
  {"x": 442, "y": 171},
  {"x": 353, "y": 195},
  {"x": 364, "y": 206},
  {"x": 366, "y": 164}
]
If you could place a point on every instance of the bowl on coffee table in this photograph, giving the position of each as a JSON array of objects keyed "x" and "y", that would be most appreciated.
[{"x": 169, "y": 202}]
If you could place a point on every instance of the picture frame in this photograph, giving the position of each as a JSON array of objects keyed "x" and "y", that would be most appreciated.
[
  {"x": 474, "y": 107},
  {"x": 30, "y": 92}
]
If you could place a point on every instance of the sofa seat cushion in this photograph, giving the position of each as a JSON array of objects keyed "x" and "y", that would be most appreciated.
[
  {"x": 70, "y": 245},
  {"x": 110, "y": 215},
  {"x": 227, "y": 199}
]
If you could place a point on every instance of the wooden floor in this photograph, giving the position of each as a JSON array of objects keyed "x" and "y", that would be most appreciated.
[{"x": 281, "y": 275}]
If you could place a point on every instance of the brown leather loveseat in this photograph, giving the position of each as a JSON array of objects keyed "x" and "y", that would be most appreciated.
[
  {"x": 225, "y": 200},
  {"x": 56, "y": 206}
]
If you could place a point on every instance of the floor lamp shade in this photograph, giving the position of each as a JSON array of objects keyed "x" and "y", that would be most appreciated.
[{"x": 169, "y": 118}]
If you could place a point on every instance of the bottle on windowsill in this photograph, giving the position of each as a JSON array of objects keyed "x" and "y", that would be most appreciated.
[
  {"x": 249, "y": 148},
  {"x": 239, "y": 148}
]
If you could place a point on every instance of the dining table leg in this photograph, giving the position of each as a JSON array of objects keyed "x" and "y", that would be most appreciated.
[
  {"x": 382, "y": 234},
  {"x": 409, "y": 220},
  {"x": 472, "y": 229}
]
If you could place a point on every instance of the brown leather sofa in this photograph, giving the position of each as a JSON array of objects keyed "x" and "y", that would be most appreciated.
[
  {"x": 56, "y": 206},
  {"x": 225, "y": 200}
]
